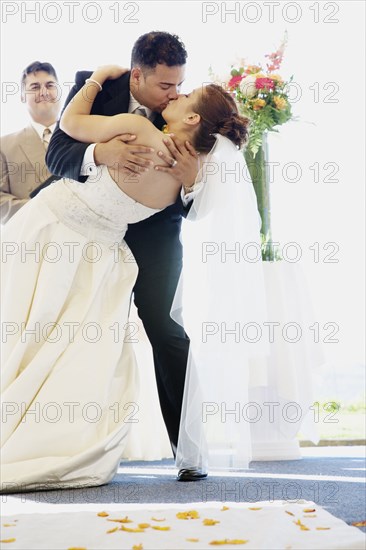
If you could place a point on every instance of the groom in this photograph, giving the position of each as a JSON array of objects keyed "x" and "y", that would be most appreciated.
[{"x": 157, "y": 72}]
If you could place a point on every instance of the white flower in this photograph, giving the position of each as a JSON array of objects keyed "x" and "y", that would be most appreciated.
[{"x": 247, "y": 86}]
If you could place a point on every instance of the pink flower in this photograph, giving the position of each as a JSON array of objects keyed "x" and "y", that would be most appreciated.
[
  {"x": 276, "y": 57},
  {"x": 266, "y": 83},
  {"x": 235, "y": 81}
]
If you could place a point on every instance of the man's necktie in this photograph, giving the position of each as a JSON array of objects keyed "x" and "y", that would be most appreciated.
[
  {"x": 141, "y": 111},
  {"x": 46, "y": 137}
]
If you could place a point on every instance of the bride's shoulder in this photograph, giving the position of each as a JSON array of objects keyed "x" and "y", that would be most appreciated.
[
  {"x": 148, "y": 133},
  {"x": 129, "y": 123},
  {"x": 143, "y": 124}
]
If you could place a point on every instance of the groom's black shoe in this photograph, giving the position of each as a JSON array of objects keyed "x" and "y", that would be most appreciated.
[{"x": 191, "y": 474}]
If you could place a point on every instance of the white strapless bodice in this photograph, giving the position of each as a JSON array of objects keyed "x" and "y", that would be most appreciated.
[{"x": 97, "y": 208}]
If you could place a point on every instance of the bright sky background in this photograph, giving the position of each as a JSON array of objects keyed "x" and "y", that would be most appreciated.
[{"x": 325, "y": 53}]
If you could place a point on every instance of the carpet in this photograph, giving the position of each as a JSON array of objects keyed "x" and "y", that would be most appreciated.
[{"x": 262, "y": 525}]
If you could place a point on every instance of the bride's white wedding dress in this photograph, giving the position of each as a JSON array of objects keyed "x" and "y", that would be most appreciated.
[{"x": 69, "y": 378}]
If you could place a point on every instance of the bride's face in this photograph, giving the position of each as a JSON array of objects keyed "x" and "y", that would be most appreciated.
[{"x": 182, "y": 108}]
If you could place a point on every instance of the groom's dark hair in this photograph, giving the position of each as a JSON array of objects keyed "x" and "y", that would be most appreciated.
[{"x": 155, "y": 48}]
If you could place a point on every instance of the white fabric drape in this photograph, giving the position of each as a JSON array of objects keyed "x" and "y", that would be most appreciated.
[{"x": 221, "y": 300}]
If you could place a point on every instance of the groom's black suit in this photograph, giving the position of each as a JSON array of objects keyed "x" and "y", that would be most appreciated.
[{"x": 157, "y": 249}]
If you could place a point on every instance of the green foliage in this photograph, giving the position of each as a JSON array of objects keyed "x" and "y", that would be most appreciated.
[
  {"x": 331, "y": 405},
  {"x": 264, "y": 119},
  {"x": 270, "y": 252}
]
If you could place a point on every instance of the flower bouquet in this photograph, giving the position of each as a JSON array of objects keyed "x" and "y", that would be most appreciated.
[{"x": 262, "y": 96}]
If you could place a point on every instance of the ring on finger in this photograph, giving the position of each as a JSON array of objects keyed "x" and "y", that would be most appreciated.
[{"x": 174, "y": 163}]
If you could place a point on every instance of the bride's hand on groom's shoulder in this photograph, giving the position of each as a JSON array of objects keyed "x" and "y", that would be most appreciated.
[
  {"x": 111, "y": 72},
  {"x": 182, "y": 162}
]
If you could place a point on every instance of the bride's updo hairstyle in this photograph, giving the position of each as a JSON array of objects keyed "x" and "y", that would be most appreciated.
[{"x": 219, "y": 115}]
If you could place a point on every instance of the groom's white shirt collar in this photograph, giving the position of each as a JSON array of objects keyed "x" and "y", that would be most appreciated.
[{"x": 134, "y": 104}]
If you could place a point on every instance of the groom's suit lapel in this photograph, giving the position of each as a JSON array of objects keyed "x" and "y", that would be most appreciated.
[
  {"x": 119, "y": 93},
  {"x": 158, "y": 121}
]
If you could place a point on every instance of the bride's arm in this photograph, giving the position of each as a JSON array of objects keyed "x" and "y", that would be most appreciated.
[{"x": 78, "y": 123}]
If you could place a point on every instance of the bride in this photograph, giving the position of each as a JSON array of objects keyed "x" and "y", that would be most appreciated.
[{"x": 69, "y": 378}]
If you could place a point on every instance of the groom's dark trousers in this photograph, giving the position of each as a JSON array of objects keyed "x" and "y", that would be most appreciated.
[{"x": 156, "y": 247}]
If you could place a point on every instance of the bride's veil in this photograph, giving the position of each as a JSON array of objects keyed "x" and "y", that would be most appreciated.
[{"x": 221, "y": 301}]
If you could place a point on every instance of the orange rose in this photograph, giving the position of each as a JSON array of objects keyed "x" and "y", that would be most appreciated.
[
  {"x": 280, "y": 102},
  {"x": 276, "y": 77},
  {"x": 253, "y": 69},
  {"x": 258, "y": 104}
]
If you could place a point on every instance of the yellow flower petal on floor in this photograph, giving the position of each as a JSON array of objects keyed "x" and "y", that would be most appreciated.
[
  {"x": 161, "y": 527},
  {"x": 254, "y": 508},
  {"x": 289, "y": 513},
  {"x": 228, "y": 541},
  {"x": 8, "y": 540},
  {"x": 308, "y": 510},
  {"x": 137, "y": 547},
  {"x": 102, "y": 514},
  {"x": 113, "y": 530},
  {"x": 190, "y": 514},
  {"x": 131, "y": 529},
  {"x": 210, "y": 521},
  {"x": 143, "y": 525},
  {"x": 123, "y": 520},
  {"x": 224, "y": 508},
  {"x": 322, "y": 528},
  {"x": 193, "y": 540},
  {"x": 158, "y": 519},
  {"x": 301, "y": 525}
]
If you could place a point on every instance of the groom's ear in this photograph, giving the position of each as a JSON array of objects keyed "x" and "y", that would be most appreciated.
[
  {"x": 136, "y": 75},
  {"x": 192, "y": 119}
]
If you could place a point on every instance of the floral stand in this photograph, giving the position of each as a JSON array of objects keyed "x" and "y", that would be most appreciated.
[{"x": 281, "y": 384}]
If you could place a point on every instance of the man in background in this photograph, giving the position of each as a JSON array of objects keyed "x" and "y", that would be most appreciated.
[{"x": 22, "y": 154}]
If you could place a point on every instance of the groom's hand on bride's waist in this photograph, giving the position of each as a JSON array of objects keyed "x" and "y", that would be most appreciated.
[
  {"x": 122, "y": 153},
  {"x": 181, "y": 162}
]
